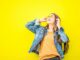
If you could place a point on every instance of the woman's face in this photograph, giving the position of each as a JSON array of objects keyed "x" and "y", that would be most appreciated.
[{"x": 51, "y": 19}]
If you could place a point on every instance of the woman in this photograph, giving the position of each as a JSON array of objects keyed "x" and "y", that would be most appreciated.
[{"x": 47, "y": 41}]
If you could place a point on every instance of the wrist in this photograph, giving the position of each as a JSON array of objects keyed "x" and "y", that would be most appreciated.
[{"x": 59, "y": 27}]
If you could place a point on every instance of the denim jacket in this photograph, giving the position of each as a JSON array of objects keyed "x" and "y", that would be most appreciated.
[{"x": 40, "y": 32}]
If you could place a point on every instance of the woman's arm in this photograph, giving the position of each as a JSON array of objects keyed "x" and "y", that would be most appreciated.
[
  {"x": 33, "y": 25},
  {"x": 62, "y": 34}
]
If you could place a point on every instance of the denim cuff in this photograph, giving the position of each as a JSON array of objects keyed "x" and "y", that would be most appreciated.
[{"x": 37, "y": 22}]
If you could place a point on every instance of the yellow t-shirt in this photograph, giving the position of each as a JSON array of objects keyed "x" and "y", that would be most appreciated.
[{"x": 47, "y": 47}]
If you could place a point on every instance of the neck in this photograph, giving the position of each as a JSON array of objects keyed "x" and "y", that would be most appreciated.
[{"x": 50, "y": 27}]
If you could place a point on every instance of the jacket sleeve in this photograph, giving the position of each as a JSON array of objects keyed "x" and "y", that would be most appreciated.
[
  {"x": 33, "y": 25},
  {"x": 62, "y": 34}
]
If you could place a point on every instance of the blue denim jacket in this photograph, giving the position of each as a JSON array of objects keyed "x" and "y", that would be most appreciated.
[{"x": 40, "y": 32}]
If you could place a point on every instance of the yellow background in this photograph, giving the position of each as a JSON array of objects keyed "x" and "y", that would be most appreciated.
[{"x": 15, "y": 39}]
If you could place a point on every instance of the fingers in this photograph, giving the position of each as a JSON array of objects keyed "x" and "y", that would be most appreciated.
[{"x": 43, "y": 19}]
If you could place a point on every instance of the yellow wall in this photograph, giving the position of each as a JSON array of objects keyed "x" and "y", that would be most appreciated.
[{"x": 15, "y": 39}]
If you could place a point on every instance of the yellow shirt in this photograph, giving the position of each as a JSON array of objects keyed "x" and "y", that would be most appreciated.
[{"x": 47, "y": 47}]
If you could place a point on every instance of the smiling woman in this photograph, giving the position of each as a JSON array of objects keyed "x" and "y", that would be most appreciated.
[{"x": 50, "y": 45}]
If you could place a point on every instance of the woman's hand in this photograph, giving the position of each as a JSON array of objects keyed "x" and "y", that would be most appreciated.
[
  {"x": 43, "y": 20},
  {"x": 58, "y": 23}
]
